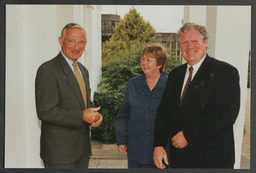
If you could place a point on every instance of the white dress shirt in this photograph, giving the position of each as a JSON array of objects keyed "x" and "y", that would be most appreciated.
[
  {"x": 70, "y": 62},
  {"x": 195, "y": 69}
]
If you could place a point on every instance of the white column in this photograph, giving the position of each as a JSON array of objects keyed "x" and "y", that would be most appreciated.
[
  {"x": 92, "y": 61},
  {"x": 31, "y": 40},
  {"x": 64, "y": 16},
  {"x": 232, "y": 45},
  {"x": 15, "y": 122},
  {"x": 211, "y": 24},
  {"x": 229, "y": 30},
  {"x": 195, "y": 14}
]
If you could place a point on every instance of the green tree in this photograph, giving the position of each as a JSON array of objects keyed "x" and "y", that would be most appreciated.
[
  {"x": 128, "y": 33},
  {"x": 121, "y": 54}
]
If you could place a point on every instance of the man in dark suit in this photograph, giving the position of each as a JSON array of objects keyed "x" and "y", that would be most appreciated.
[
  {"x": 198, "y": 109},
  {"x": 63, "y": 104}
]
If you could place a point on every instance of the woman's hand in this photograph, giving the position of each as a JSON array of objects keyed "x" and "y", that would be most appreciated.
[{"x": 122, "y": 148}]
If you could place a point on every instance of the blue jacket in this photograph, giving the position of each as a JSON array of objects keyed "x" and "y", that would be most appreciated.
[{"x": 136, "y": 119}]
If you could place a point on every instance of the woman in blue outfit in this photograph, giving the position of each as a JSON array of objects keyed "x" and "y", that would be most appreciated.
[{"x": 136, "y": 118}]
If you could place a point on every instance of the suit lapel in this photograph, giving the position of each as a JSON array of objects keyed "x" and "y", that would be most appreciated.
[
  {"x": 181, "y": 77},
  {"x": 202, "y": 71},
  {"x": 179, "y": 82},
  {"x": 71, "y": 79}
]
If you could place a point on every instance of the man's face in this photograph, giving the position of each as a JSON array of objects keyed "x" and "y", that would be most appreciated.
[
  {"x": 73, "y": 43},
  {"x": 193, "y": 47}
]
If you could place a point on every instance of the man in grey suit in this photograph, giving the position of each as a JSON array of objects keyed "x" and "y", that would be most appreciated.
[{"x": 63, "y": 104}]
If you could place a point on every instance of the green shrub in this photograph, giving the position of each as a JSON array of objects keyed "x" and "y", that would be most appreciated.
[{"x": 110, "y": 103}]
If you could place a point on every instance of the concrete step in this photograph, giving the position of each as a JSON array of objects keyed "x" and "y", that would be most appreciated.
[
  {"x": 107, "y": 154},
  {"x": 107, "y": 158},
  {"x": 102, "y": 158},
  {"x": 108, "y": 164}
]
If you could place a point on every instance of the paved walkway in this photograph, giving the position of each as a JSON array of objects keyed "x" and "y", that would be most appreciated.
[
  {"x": 245, "y": 158},
  {"x": 107, "y": 156}
]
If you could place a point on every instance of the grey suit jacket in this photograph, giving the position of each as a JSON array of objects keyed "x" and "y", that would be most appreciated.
[{"x": 60, "y": 106}]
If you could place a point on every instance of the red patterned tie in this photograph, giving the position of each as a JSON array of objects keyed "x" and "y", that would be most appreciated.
[{"x": 186, "y": 85}]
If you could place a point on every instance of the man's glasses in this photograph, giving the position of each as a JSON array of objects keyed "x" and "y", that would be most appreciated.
[{"x": 73, "y": 42}]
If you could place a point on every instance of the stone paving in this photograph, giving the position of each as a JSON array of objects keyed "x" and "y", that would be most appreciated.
[
  {"x": 107, "y": 156},
  {"x": 245, "y": 158}
]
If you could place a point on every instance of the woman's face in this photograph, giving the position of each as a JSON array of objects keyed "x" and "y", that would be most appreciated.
[{"x": 149, "y": 65}]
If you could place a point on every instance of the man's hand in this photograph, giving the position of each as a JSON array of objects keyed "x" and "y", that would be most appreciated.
[
  {"x": 159, "y": 156},
  {"x": 179, "y": 141},
  {"x": 98, "y": 122},
  {"x": 122, "y": 148},
  {"x": 92, "y": 116}
]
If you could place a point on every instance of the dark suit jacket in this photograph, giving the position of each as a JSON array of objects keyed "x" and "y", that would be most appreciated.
[
  {"x": 206, "y": 117},
  {"x": 60, "y": 106}
]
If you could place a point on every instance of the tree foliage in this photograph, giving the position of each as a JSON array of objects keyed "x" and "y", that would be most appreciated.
[{"x": 128, "y": 33}]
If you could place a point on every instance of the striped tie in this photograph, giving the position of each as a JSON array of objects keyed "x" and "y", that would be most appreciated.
[{"x": 186, "y": 85}]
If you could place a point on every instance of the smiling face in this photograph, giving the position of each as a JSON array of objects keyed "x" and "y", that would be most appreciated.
[
  {"x": 193, "y": 47},
  {"x": 73, "y": 43},
  {"x": 149, "y": 65}
]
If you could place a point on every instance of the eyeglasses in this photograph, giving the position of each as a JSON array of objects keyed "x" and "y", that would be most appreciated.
[{"x": 73, "y": 42}]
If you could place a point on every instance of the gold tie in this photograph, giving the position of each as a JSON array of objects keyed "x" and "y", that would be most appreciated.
[{"x": 81, "y": 82}]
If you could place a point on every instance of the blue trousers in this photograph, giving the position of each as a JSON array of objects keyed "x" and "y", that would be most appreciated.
[{"x": 134, "y": 164}]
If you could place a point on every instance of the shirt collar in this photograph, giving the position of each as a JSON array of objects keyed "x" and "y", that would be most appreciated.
[
  {"x": 160, "y": 83},
  {"x": 196, "y": 66},
  {"x": 69, "y": 61}
]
